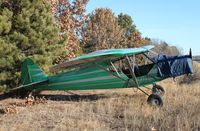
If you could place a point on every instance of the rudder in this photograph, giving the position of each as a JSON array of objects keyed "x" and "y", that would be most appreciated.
[{"x": 31, "y": 72}]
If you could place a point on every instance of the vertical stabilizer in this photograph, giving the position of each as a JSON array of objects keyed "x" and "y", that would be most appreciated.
[{"x": 32, "y": 73}]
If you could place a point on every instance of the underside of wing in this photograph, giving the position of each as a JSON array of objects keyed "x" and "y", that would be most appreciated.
[{"x": 100, "y": 56}]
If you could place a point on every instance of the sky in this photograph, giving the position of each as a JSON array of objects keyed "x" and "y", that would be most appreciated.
[{"x": 175, "y": 21}]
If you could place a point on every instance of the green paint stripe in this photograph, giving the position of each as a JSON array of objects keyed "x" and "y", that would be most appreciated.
[
  {"x": 91, "y": 86},
  {"x": 67, "y": 76},
  {"x": 82, "y": 70},
  {"x": 36, "y": 69},
  {"x": 38, "y": 74},
  {"x": 94, "y": 75},
  {"x": 100, "y": 86},
  {"x": 89, "y": 82},
  {"x": 77, "y": 84},
  {"x": 83, "y": 80}
]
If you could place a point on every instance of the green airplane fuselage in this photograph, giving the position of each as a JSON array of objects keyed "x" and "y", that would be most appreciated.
[{"x": 95, "y": 77}]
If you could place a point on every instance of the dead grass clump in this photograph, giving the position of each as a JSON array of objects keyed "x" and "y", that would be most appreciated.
[
  {"x": 12, "y": 107},
  {"x": 35, "y": 100},
  {"x": 8, "y": 110}
]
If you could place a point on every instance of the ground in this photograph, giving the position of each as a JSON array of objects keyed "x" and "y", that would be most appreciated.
[{"x": 121, "y": 109}]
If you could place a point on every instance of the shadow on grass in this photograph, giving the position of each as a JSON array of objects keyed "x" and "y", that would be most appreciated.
[
  {"x": 20, "y": 94},
  {"x": 74, "y": 97},
  {"x": 4, "y": 96},
  {"x": 88, "y": 97}
]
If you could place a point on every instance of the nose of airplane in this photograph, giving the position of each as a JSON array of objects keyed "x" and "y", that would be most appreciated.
[{"x": 172, "y": 66}]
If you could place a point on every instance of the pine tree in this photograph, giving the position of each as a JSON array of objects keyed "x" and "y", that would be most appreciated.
[{"x": 27, "y": 29}]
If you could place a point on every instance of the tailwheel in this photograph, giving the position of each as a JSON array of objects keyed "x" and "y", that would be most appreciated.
[
  {"x": 159, "y": 90},
  {"x": 155, "y": 100}
]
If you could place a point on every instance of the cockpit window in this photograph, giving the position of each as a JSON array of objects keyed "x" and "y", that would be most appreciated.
[{"x": 140, "y": 63}]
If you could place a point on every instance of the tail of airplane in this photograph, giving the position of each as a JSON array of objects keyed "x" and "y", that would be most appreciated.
[{"x": 31, "y": 73}]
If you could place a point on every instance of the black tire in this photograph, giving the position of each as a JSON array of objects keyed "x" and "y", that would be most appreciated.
[
  {"x": 155, "y": 100},
  {"x": 159, "y": 90}
]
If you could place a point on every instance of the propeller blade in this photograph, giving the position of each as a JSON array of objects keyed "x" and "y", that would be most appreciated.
[{"x": 190, "y": 53}]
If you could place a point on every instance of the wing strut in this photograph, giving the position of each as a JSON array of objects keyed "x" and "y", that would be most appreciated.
[
  {"x": 133, "y": 75},
  {"x": 114, "y": 68}
]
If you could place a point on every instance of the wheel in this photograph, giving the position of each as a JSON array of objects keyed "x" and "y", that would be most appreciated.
[
  {"x": 155, "y": 100},
  {"x": 159, "y": 90}
]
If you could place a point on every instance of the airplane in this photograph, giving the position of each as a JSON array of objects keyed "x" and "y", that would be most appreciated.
[{"x": 109, "y": 69}]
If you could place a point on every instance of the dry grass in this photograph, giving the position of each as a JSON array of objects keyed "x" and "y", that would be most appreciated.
[{"x": 121, "y": 109}]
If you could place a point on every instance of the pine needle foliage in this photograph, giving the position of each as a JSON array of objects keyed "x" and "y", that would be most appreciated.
[{"x": 27, "y": 29}]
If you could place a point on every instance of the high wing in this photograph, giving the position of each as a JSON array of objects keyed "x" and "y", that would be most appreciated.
[{"x": 100, "y": 55}]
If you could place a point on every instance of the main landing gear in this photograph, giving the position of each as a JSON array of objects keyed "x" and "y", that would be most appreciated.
[{"x": 155, "y": 99}]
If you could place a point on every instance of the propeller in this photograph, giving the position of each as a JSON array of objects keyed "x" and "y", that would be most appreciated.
[{"x": 190, "y": 53}]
